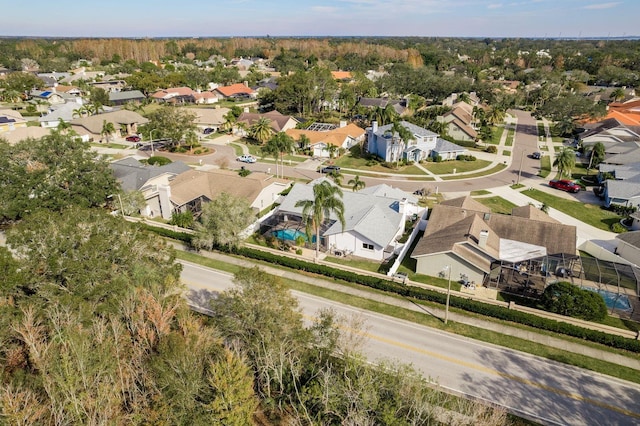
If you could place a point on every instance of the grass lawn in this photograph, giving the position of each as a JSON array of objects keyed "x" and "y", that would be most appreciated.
[
  {"x": 446, "y": 167},
  {"x": 33, "y": 124},
  {"x": 545, "y": 166},
  {"x": 496, "y": 169},
  {"x": 588, "y": 213},
  {"x": 365, "y": 265},
  {"x": 497, "y": 204},
  {"x": 541, "y": 131},
  {"x": 110, "y": 145},
  {"x": 510, "y": 137},
  {"x": 480, "y": 192},
  {"x": 364, "y": 165},
  {"x": 496, "y": 135},
  {"x": 507, "y": 153}
]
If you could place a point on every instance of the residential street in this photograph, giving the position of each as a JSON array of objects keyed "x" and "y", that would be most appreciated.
[{"x": 550, "y": 392}]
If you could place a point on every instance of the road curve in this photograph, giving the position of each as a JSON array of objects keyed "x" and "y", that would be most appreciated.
[{"x": 551, "y": 392}]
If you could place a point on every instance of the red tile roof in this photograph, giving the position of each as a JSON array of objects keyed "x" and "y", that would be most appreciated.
[{"x": 234, "y": 89}]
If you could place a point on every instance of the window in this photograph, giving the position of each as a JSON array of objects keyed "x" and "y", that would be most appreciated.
[{"x": 367, "y": 246}]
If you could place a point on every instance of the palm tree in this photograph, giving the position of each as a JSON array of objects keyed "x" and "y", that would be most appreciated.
[
  {"x": 332, "y": 150},
  {"x": 565, "y": 127},
  {"x": 261, "y": 130},
  {"x": 357, "y": 184},
  {"x": 565, "y": 161},
  {"x": 80, "y": 112},
  {"x": 327, "y": 200},
  {"x": 464, "y": 97},
  {"x": 597, "y": 154},
  {"x": 63, "y": 127},
  {"x": 495, "y": 115},
  {"x": 278, "y": 145},
  {"x": 107, "y": 129},
  {"x": 304, "y": 143},
  {"x": 337, "y": 177},
  {"x": 402, "y": 139},
  {"x": 618, "y": 94},
  {"x": 229, "y": 121},
  {"x": 478, "y": 115}
]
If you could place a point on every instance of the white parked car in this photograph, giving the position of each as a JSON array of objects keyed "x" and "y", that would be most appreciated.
[{"x": 246, "y": 159}]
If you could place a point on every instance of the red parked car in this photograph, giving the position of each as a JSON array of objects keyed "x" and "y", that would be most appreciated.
[
  {"x": 564, "y": 185},
  {"x": 133, "y": 138}
]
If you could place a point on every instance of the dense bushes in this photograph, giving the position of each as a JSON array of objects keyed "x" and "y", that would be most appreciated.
[
  {"x": 418, "y": 293},
  {"x": 566, "y": 299}
]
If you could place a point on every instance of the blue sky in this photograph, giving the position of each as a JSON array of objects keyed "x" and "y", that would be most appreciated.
[{"x": 213, "y": 18}]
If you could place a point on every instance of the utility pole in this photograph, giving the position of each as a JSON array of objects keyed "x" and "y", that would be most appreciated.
[{"x": 446, "y": 310}]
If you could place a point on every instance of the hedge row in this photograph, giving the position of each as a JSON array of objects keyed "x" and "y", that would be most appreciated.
[
  {"x": 469, "y": 305},
  {"x": 419, "y": 293}
]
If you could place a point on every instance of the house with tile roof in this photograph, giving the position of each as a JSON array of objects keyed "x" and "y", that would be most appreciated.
[
  {"x": 190, "y": 190},
  {"x": 343, "y": 76},
  {"x": 175, "y": 95},
  {"x": 610, "y": 132},
  {"x": 375, "y": 218},
  {"x": 125, "y": 122},
  {"x": 236, "y": 91},
  {"x": 278, "y": 122},
  {"x": 343, "y": 136},
  {"x": 488, "y": 248},
  {"x": 424, "y": 144},
  {"x": 65, "y": 112},
  {"x": 152, "y": 181}
]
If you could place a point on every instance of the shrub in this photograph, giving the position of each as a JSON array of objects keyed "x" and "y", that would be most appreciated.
[
  {"x": 618, "y": 228},
  {"x": 244, "y": 172},
  {"x": 566, "y": 299},
  {"x": 491, "y": 149},
  {"x": 158, "y": 161},
  {"x": 437, "y": 159},
  {"x": 197, "y": 152}
]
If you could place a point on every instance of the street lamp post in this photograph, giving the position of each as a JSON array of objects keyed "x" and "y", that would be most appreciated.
[
  {"x": 520, "y": 170},
  {"x": 151, "y": 140},
  {"x": 446, "y": 310}
]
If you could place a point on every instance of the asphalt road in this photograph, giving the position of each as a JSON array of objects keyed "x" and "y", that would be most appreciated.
[{"x": 551, "y": 392}]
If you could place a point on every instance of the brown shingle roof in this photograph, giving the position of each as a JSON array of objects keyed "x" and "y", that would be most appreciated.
[
  {"x": 193, "y": 184},
  {"x": 461, "y": 220},
  {"x": 278, "y": 120}
]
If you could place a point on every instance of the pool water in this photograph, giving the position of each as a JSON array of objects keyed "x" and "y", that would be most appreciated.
[
  {"x": 613, "y": 300},
  {"x": 291, "y": 235}
]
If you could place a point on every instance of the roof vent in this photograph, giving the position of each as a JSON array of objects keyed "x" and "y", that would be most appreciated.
[{"x": 482, "y": 239}]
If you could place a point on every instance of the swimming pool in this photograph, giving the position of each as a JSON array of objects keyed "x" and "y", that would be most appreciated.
[
  {"x": 613, "y": 300},
  {"x": 291, "y": 235}
]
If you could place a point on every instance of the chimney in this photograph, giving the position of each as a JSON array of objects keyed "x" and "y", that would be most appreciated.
[
  {"x": 343, "y": 123},
  {"x": 246, "y": 83},
  {"x": 482, "y": 238},
  {"x": 374, "y": 126}
]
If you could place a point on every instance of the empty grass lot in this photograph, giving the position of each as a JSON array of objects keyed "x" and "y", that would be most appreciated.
[{"x": 591, "y": 214}]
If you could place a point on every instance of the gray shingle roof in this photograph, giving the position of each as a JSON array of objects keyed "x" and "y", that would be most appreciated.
[
  {"x": 373, "y": 216},
  {"x": 416, "y": 130},
  {"x": 132, "y": 174}
]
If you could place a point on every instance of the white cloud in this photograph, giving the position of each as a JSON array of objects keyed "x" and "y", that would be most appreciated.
[{"x": 602, "y": 5}]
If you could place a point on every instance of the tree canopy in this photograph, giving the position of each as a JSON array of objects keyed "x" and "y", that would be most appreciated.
[
  {"x": 53, "y": 173},
  {"x": 222, "y": 222}
]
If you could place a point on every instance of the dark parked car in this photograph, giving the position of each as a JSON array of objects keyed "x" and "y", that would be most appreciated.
[
  {"x": 536, "y": 155},
  {"x": 564, "y": 185},
  {"x": 330, "y": 169},
  {"x": 133, "y": 138},
  {"x": 208, "y": 130}
]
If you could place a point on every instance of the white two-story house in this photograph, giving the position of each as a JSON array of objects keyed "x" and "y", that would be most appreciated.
[{"x": 388, "y": 145}]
